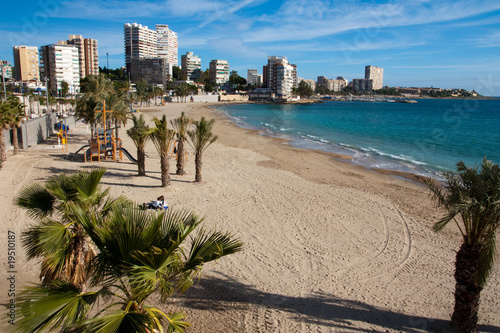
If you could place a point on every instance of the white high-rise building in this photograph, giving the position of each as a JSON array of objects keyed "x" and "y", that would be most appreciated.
[
  {"x": 282, "y": 76},
  {"x": 167, "y": 44},
  {"x": 59, "y": 62},
  {"x": 140, "y": 42},
  {"x": 219, "y": 71},
  {"x": 254, "y": 78},
  {"x": 376, "y": 74},
  {"x": 191, "y": 66}
]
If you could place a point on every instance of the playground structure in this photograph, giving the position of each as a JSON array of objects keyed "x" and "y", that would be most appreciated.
[
  {"x": 103, "y": 144},
  {"x": 62, "y": 136}
]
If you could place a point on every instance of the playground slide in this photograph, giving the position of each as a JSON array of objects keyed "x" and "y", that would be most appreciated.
[
  {"x": 84, "y": 146},
  {"x": 130, "y": 157}
]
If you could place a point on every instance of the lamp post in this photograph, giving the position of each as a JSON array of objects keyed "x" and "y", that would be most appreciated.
[
  {"x": 47, "y": 91},
  {"x": 3, "y": 79}
]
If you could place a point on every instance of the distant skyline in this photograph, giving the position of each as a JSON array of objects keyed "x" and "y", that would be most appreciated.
[{"x": 446, "y": 44}]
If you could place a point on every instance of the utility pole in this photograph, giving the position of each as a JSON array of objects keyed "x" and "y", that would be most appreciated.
[{"x": 107, "y": 61}]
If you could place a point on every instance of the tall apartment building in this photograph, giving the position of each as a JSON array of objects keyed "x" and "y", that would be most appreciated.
[
  {"x": 6, "y": 69},
  {"x": 191, "y": 66},
  {"x": 26, "y": 63},
  {"x": 281, "y": 76},
  {"x": 167, "y": 44},
  {"x": 336, "y": 85},
  {"x": 321, "y": 80},
  {"x": 254, "y": 78},
  {"x": 310, "y": 83},
  {"x": 60, "y": 62},
  {"x": 88, "y": 57},
  {"x": 140, "y": 42},
  {"x": 219, "y": 71},
  {"x": 376, "y": 74},
  {"x": 362, "y": 85},
  {"x": 153, "y": 70}
]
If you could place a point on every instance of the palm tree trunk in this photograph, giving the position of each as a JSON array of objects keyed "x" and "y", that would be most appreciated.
[
  {"x": 467, "y": 290},
  {"x": 180, "y": 158},
  {"x": 198, "y": 163},
  {"x": 141, "y": 161},
  {"x": 15, "y": 139},
  {"x": 3, "y": 153},
  {"x": 165, "y": 169}
]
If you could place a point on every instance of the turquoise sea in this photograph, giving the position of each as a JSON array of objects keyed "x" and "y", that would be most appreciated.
[{"x": 426, "y": 138}]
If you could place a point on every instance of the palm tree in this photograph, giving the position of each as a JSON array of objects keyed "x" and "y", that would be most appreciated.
[
  {"x": 17, "y": 116},
  {"x": 182, "y": 91},
  {"x": 473, "y": 195},
  {"x": 59, "y": 239},
  {"x": 86, "y": 109},
  {"x": 4, "y": 124},
  {"x": 116, "y": 103},
  {"x": 158, "y": 92},
  {"x": 201, "y": 137},
  {"x": 141, "y": 253},
  {"x": 163, "y": 139},
  {"x": 140, "y": 135},
  {"x": 181, "y": 126},
  {"x": 98, "y": 86}
]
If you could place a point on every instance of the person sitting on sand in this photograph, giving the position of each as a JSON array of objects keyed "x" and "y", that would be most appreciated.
[
  {"x": 160, "y": 201},
  {"x": 158, "y": 204}
]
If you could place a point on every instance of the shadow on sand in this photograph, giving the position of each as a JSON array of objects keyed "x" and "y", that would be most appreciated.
[{"x": 322, "y": 309}]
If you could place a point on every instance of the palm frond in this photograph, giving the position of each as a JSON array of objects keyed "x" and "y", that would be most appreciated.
[
  {"x": 206, "y": 247},
  {"x": 175, "y": 320},
  {"x": 486, "y": 260},
  {"x": 49, "y": 308},
  {"x": 38, "y": 201},
  {"x": 46, "y": 238},
  {"x": 127, "y": 320}
]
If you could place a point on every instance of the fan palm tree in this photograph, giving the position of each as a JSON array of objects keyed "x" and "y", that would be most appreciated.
[
  {"x": 472, "y": 199},
  {"x": 141, "y": 253},
  {"x": 163, "y": 139},
  {"x": 59, "y": 239},
  {"x": 140, "y": 135},
  {"x": 201, "y": 137},
  {"x": 181, "y": 126},
  {"x": 17, "y": 116}
]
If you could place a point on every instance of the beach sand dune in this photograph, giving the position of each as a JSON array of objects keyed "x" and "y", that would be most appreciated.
[{"x": 328, "y": 246}]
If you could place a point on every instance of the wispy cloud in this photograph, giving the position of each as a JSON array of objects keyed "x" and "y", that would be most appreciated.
[
  {"x": 487, "y": 39},
  {"x": 112, "y": 10},
  {"x": 302, "y": 19},
  {"x": 236, "y": 47}
]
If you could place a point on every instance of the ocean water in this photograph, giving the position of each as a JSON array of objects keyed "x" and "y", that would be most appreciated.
[{"x": 425, "y": 138}]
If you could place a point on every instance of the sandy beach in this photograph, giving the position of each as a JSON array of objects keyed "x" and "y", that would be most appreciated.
[{"x": 328, "y": 246}]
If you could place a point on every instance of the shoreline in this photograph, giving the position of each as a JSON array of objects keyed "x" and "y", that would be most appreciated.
[{"x": 419, "y": 177}]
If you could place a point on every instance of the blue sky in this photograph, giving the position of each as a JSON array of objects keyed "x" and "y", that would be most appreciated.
[{"x": 448, "y": 44}]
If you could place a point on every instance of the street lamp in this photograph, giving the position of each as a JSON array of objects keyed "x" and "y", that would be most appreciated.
[
  {"x": 47, "y": 91},
  {"x": 3, "y": 79}
]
